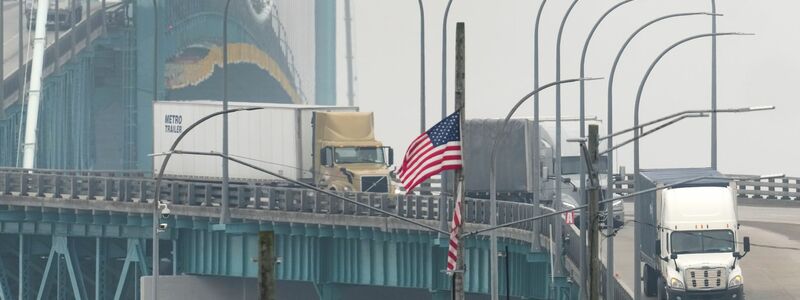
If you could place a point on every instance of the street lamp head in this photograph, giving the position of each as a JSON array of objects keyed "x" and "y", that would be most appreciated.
[
  {"x": 759, "y": 108},
  {"x": 772, "y": 176},
  {"x": 713, "y": 14},
  {"x": 577, "y": 140}
]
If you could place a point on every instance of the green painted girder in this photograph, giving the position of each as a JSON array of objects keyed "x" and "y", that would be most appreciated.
[{"x": 61, "y": 249}]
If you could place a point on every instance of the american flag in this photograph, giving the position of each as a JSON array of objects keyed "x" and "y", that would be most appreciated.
[
  {"x": 452, "y": 251},
  {"x": 432, "y": 152}
]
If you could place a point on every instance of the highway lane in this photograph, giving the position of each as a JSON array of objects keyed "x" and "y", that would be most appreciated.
[{"x": 769, "y": 272}]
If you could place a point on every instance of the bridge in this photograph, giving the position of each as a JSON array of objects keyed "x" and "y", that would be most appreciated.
[{"x": 70, "y": 231}]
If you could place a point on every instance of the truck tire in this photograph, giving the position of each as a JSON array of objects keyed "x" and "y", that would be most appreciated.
[{"x": 650, "y": 281}]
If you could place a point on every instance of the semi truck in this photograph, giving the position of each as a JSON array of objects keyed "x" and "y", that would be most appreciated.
[
  {"x": 515, "y": 168},
  {"x": 328, "y": 146},
  {"x": 690, "y": 238},
  {"x": 69, "y": 12}
]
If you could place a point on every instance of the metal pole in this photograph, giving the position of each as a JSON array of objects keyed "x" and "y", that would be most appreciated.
[
  {"x": 508, "y": 277},
  {"x": 20, "y": 81},
  {"x": 2, "y": 57},
  {"x": 594, "y": 216},
  {"x": 637, "y": 256},
  {"x": 37, "y": 66},
  {"x": 443, "y": 193},
  {"x": 582, "y": 125},
  {"x": 714, "y": 85},
  {"x": 537, "y": 148},
  {"x": 559, "y": 230},
  {"x": 156, "y": 200},
  {"x": 493, "y": 182},
  {"x": 348, "y": 19},
  {"x": 610, "y": 144},
  {"x": 58, "y": 32},
  {"x": 458, "y": 182},
  {"x": 224, "y": 210},
  {"x": 421, "y": 67}
]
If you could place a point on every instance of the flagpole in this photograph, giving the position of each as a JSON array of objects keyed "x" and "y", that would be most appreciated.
[{"x": 458, "y": 189}]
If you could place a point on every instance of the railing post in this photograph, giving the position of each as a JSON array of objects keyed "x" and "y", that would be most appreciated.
[
  {"x": 6, "y": 184},
  {"x": 56, "y": 186},
  {"x": 73, "y": 187},
  {"x": 257, "y": 197},
  {"x": 23, "y": 184},
  {"x": 107, "y": 187},
  {"x": 90, "y": 188},
  {"x": 208, "y": 198},
  {"x": 39, "y": 185},
  {"x": 190, "y": 193}
]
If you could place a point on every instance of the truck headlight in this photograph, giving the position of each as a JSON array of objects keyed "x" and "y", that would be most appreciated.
[
  {"x": 675, "y": 283},
  {"x": 735, "y": 281}
]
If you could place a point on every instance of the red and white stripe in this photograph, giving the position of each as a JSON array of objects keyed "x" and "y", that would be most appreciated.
[
  {"x": 452, "y": 251},
  {"x": 423, "y": 160}
]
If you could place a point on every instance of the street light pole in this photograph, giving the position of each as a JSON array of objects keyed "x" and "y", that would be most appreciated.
[
  {"x": 156, "y": 202},
  {"x": 637, "y": 228},
  {"x": 558, "y": 230},
  {"x": 421, "y": 66},
  {"x": 225, "y": 210},
  {"x": 537, "y": 148},
  {"x": 499, "y": 136},
  {"x": 582, "y": 124},
  {"x": 714, "y": 85},
  {"x": 443, "y": 193},
  {"x": 610, "y": 144}
]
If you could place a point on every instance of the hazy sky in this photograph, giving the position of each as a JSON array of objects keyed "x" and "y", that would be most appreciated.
[{"x": 753, "y": 70}]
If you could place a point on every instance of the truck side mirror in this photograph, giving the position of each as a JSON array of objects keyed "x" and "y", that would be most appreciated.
[
  {"x": 324, "y": 156},
  {"x": 658, "y": 247},
  {"x": 673, "y": 256},
  {"x": 746, "y": 244},
  {"x": 391, "y": 156}
]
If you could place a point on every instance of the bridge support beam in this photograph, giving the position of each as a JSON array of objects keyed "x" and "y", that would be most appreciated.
[
  {"x": 135, "y": 255},
  {"x": 23, "y": 291},
  {"x": 60, "y": 248},
  {"x": 5, "y": 289},
  {"x": 100, "y": 260},
  {"x": 329, "y": 291}
]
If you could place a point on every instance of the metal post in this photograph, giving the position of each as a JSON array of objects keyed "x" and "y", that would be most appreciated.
[
  {"x": 156, "y": 200},
  {"x": 224, "y": 210},
  {"x": 610, "y": 145},
  {"x": 594, "y": 216},
  {"x": 421, "y": 67},
  {"x": 637, "y": 256},
  {"x": 582, "y": 125},
  {"x": 443, "y": 193},
  {"x": 20, "y": 80},
  {"x": 348, "y": 20},
  {"x": 37, "y": 66},
  {"x": 559, "y": 232},
  {"x": 2, "y": 58},
  {"x": 508, "y": 277},
  {"x": 714, "y": 85},
  {"x": 266, "y": 265},
  {"x": 458, "y": 182},
  {"x": 537, "y": 148}
]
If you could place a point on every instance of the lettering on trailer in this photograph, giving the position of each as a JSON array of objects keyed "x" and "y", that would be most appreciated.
[
  {"x": 173, "y": 123},
  {"x": 569, "y": 217}
]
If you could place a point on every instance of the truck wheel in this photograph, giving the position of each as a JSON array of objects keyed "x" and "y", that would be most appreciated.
[{"x": 650, "y": 281}]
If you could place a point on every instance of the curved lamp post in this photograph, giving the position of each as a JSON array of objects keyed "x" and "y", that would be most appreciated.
[
  {"x": 637, "y": 227},
  {"x": 558, "y": 230},
  {"x": 155, "y": 201},
  {"x": 610, "y": 143},
  {"x": 537, "y": 151},
  {"x": 443, "y": 203},
  {"x": 421, "y": 66},
  {"x": 493, "y": 180},
  {"x": 582, "y": 124},
  {"x": 224, "y": 212}
]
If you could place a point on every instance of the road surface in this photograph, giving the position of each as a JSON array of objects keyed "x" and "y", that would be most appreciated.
[{"x": 771, "y": 270}]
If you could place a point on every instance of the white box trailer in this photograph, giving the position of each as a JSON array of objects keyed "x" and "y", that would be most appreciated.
[{"x": 278, "y": 137}]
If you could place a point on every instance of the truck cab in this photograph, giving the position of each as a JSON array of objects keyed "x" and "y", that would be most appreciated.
[
  {"x": 697, "y": 243},
  {"x": 349, "y": 157}
]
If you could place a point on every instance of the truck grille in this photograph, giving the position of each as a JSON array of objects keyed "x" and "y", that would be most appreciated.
[
  {"x": 706, "y": 278},
  {"x": 374, "y": 184}
]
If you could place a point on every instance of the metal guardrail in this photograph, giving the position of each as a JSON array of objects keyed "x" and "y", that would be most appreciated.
[{"x": 787, "y": 188}]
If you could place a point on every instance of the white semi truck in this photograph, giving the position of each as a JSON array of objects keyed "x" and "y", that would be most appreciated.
[
  {"x": 690, "y": 243},
  {"x": 331, "y": 147}
]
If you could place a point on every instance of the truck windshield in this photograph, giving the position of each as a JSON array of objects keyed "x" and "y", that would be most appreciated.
[
  {"x": 708, "y": 241},
  {"x": 355, "y": 155}
]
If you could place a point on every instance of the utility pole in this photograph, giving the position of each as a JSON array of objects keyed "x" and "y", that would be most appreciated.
[
  {"x": 594, "y": 216},
  {"x": 458, "y": 276},
  {"x": 266, "y": 265}
]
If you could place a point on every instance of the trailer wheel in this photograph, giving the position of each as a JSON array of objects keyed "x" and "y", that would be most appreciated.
[{"x": 650, "y": 281}]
